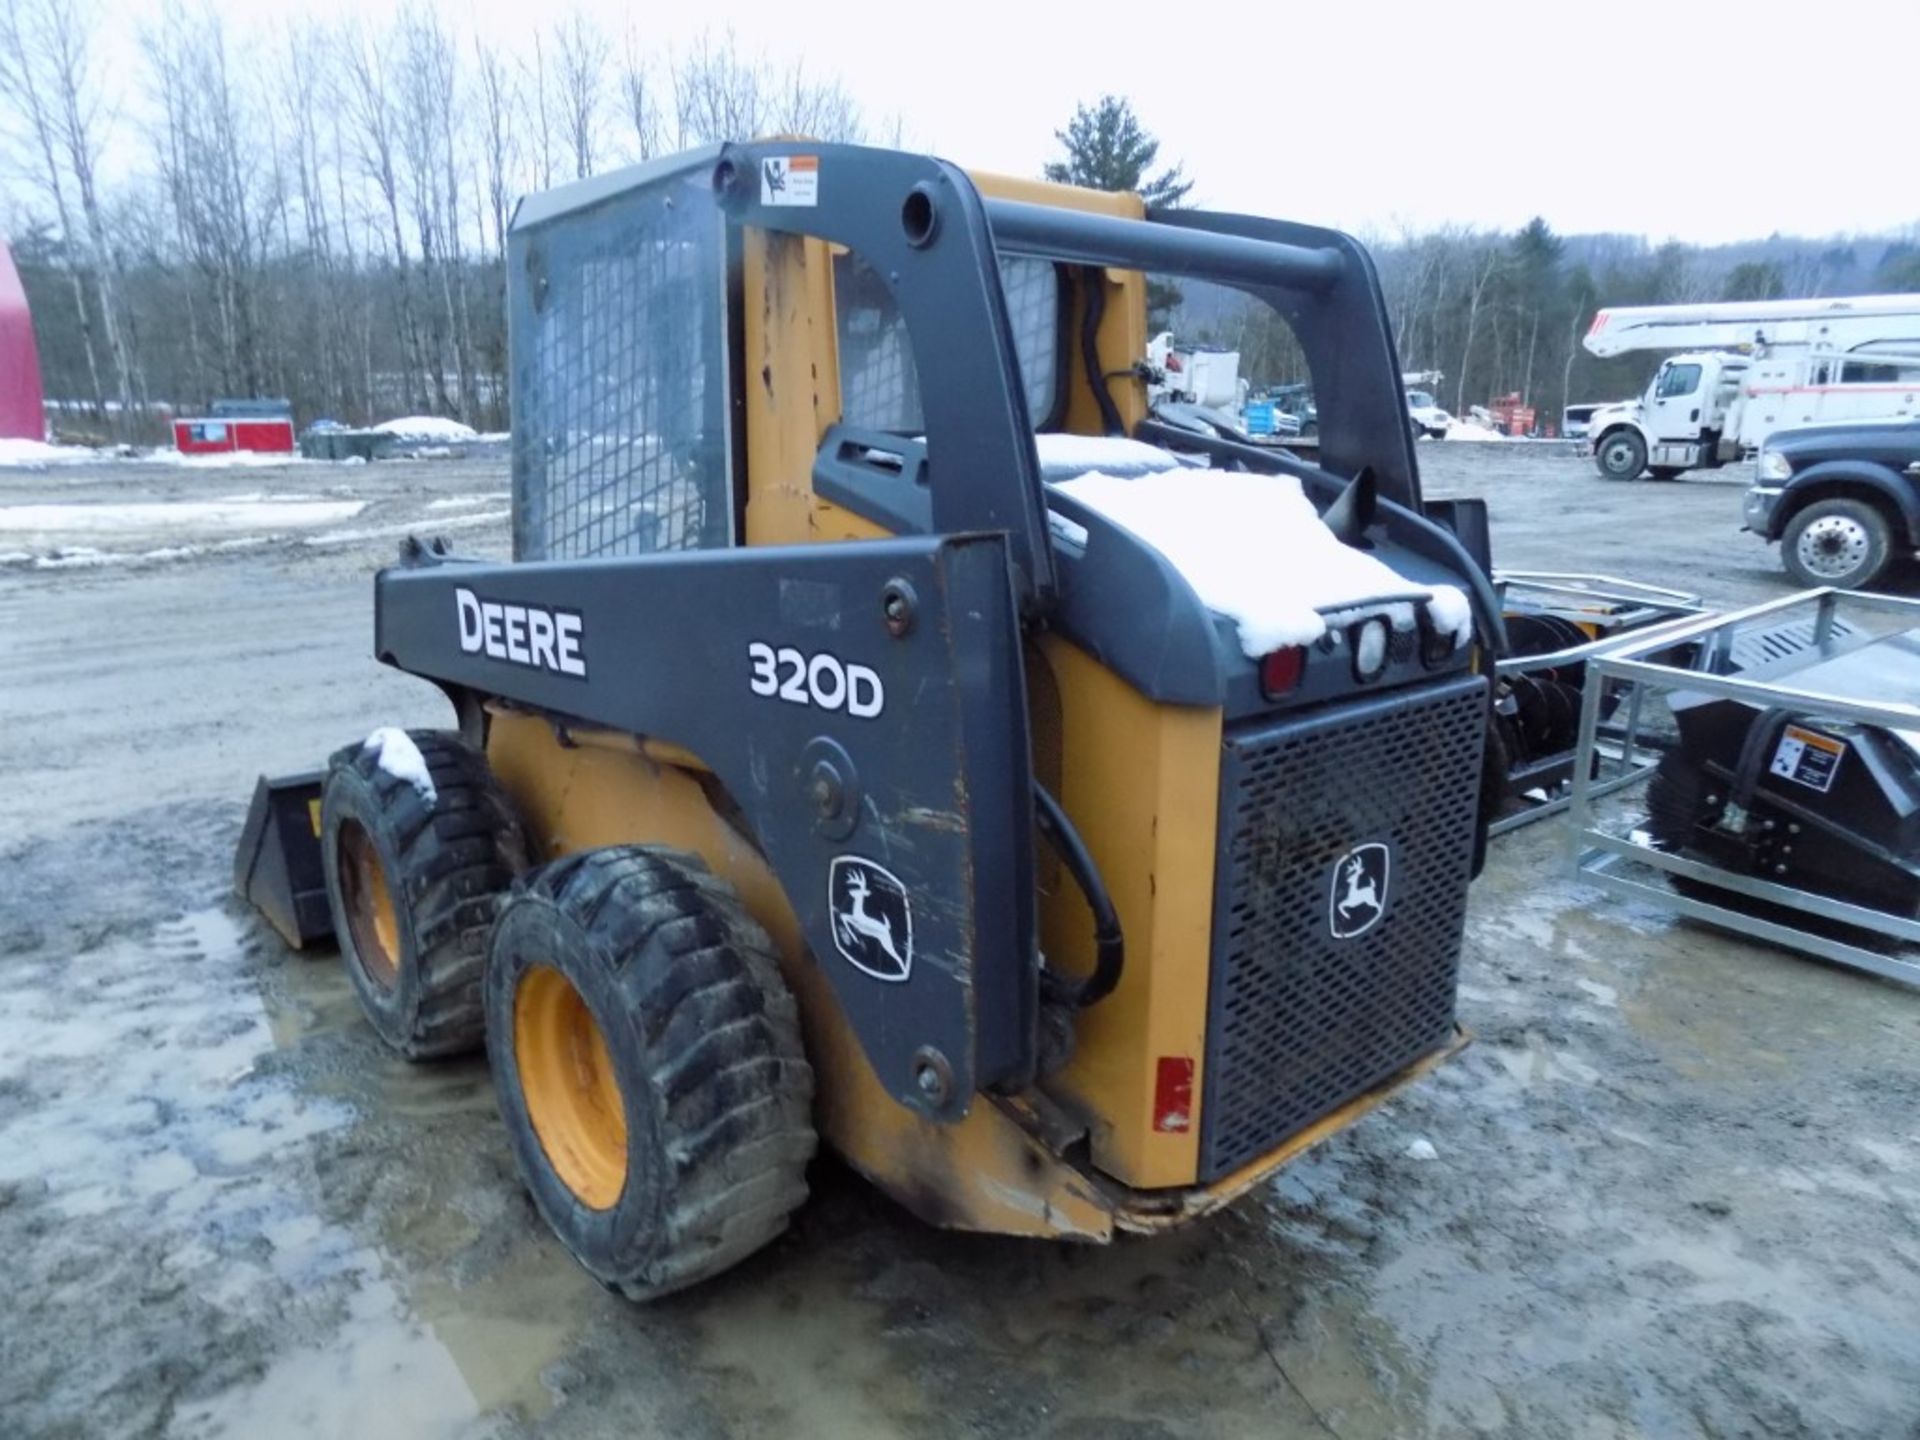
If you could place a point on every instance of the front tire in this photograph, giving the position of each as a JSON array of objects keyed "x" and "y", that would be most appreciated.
[
  {"x": 1620, "y": 455},
  {"x": 648, "y": 1062},
  {"x": 413, "y": 880},
  {"x": 1844, "y": 543}
]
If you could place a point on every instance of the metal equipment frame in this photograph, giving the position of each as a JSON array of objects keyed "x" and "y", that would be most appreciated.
[
  {"x": 1618, "y": 864},
  {"x": 1654, "y": 611}
]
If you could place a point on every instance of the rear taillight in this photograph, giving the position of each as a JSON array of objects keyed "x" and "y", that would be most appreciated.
[
  {"x": 1280, "y": 671},
  {"x": 1173, "y": 1095}
]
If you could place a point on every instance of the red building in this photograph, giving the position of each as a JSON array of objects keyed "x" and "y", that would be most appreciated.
[{"x": 22, "y": 416}]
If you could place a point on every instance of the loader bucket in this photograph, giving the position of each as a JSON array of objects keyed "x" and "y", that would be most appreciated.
[{"x": 278, "y": 869}]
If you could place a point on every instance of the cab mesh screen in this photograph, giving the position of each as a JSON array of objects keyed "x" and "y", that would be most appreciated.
[
  {"x": 620, "y": 380},
  {"x": 879, "y": 387}
]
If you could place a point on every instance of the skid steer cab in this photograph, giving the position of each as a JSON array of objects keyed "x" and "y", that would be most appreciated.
[{"x": 892, "y": 730}]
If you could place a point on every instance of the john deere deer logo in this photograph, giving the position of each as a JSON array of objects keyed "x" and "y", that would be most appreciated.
[
  {"x": 1358, "y": 895},
  {"x": 871, "y": 917}
]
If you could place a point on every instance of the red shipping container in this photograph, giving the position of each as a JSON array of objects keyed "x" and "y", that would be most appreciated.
[{"x": 213, "y": 437}]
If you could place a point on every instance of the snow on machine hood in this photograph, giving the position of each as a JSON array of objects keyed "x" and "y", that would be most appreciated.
[{"x": 1256, "y": 551}]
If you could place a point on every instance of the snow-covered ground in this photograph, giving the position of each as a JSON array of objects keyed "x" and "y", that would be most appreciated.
[
  {"x": 1470, "y": 430},
  {"x": 37, "y": 454},
  {"x": 89, "y": 535},
  {"x": 248, "y": 512}
]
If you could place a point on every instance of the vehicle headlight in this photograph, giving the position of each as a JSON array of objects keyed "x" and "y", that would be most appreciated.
[{"x": 1773, "y": 466}]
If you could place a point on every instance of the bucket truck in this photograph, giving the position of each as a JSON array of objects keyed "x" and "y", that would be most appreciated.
[{"x": 1748, "y": 368}]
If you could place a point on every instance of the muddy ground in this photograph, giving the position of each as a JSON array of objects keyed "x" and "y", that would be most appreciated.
[{"x": 1674, "y": 1187}]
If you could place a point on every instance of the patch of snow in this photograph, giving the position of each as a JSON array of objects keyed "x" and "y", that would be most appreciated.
[
  {"x": 1422, "y": 1149},
  {"x": 407, "y": 527},
  {"x": 1469, "y": 430},
  {"x": 85, "y": 557},
  {"x": 399, "y": 757},
  {"x": 37, "y": 454},
  {"x": 1603, "y": 994},
  {"x": 1255, "y": 550},
  {"x": 460, "y": 502},
  {"x": 494, "y": 437},
  {"x": 173, "y": 515},
  {"x": 427, "y": 427},
  {"x": 1064, "y": 456},
  {"x": 219, "y": 460}
]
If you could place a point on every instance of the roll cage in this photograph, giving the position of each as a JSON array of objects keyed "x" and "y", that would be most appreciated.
[{"x": 935, "y": 241}]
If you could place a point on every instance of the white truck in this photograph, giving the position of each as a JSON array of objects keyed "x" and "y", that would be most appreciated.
[
  {"x": 1747, "y": 369},
  {"x": 1199, "y": 375}
]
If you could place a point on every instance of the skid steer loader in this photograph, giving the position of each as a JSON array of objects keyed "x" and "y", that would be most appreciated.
[{"x": 861, "y": 743}]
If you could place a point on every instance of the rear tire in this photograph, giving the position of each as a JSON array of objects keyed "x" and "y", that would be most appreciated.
[
  {"x": 1840, "y": 542},
  {"x": 1620, "y": 455},
  {"x": 413, "y": 885},
  {"x": 648, "y": 1062}
]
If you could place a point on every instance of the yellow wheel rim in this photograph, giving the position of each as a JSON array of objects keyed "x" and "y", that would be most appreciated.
[
  {"x": 567, "y": 1078},
  {"x": 371, "y": 918}
]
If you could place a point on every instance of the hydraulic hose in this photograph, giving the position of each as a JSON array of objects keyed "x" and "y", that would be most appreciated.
[
  {"x": 1109, "y": 947},
  {"x": 1093, "y": 310}
]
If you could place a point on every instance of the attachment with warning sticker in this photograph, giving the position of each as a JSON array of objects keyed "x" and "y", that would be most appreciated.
[{"x": 1807, "y": 758}]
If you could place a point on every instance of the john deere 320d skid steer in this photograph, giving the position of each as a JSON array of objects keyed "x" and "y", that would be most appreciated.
[{"x": 890, "y": 729}]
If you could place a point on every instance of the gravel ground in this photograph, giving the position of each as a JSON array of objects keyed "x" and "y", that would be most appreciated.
[{"x": 1672, "y": 1190}]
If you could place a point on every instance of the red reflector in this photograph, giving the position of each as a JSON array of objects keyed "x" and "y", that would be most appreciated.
[
  {"x": 1173, "y": 1095},
  {"x": 1280, "y": 671}
]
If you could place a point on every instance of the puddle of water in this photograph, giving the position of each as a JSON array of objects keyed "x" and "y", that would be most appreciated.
[
  {"x": 149, "y": 1108},
  {"x": 1541, "y": 1062},
  {"x": 804, "y": 1356},
  {"x": 145, "y": 1077},
  {"x": 380, "y": 1377}
]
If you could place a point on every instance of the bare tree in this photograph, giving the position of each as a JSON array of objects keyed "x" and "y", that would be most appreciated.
[
  {"x": 62, "y": 33},
  {"x": 22, "y": 84},
  {"x": 717, "y": 93},
  {"x": 424, "y": 57},
  {"x": 497, "y": 149},
  {"x": 820, "y": 108},
  {"x": 371, "y": 114},
  {"x": 1485, "y": 265},
  {"x": 639, "y": 96},
  {"x": 580, "y": 67},
  {"x": 540, "y": 101}
]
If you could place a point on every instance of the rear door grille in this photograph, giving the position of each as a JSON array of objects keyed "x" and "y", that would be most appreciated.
[{"x": 1357, "y": 818}]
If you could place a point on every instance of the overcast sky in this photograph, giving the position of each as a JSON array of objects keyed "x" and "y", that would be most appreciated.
[{"x": 1702, "y": 122}]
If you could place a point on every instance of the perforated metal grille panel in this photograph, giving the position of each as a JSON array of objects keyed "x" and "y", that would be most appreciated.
[
  {"x": 620, "y": 379},
  {"x": 1300, "y": 1019}
]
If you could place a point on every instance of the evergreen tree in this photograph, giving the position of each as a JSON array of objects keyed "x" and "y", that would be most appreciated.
[{"x": 1108, "y": 149}]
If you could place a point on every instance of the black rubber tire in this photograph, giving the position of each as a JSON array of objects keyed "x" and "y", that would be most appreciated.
[
  {"x": 1875, "y": 555},
  {"x": 704, "y": 1043},
  {"x": 1620, "y": 455},
  {"x": 445, "y": 866}
]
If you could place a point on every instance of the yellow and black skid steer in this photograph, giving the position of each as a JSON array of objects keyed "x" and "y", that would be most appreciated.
[{"x": 892, "y": 730}]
